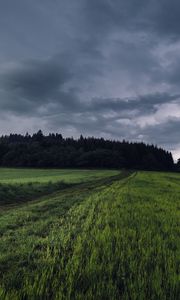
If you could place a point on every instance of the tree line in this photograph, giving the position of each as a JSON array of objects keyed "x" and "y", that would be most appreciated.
[{"x": 55, "y": 151}]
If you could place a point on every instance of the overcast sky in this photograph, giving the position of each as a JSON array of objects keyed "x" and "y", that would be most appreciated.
[{"x": 106, "y": 68}]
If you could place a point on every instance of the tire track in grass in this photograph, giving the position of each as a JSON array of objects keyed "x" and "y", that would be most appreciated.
[
  {"x": 29, "y": 242},
  {"x": 70, "y": 258},
  {"x": 47, "y": 233}
]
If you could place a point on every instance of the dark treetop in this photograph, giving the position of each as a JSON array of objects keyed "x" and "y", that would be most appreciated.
[{"x": 54, "y": 151}]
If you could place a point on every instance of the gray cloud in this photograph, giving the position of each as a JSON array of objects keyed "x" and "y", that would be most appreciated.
[
  {"x": 35, "y": 79},
  {"x": 31, "y": 85},
  {"x": 142, "y": 104},
  {"x": 159, "y": 17},
  {"x": 158, "y": 134},
  {"x": 97, "y": 67}
]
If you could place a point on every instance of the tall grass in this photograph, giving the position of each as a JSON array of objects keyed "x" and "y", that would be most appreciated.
[{"x": 119, "y": 241}]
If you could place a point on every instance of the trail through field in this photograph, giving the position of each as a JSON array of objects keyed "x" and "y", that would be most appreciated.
[
  {"x": 18, "y": 186},
  {"x": 115, "y": 238}
]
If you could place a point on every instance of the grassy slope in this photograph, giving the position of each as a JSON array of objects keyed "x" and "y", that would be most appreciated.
[{"x": 112, "y": 242}]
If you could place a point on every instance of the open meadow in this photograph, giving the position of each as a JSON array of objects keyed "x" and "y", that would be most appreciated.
[
  {"x": 15, "y": 176},
  {"x": 89, "y": 234},
  {"x": 20, "y": 185}
]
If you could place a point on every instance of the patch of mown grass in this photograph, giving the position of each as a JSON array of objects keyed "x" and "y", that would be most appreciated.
[{"x": 116, "y": 241}]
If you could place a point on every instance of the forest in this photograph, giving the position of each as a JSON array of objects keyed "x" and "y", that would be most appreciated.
[{"x": 55, "y": 151}]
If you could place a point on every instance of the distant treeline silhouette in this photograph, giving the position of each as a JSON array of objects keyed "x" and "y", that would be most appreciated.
[{"x": 54, "y": 151}]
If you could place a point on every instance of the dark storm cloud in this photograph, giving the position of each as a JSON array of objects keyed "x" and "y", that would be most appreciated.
[
  {"x": 166, "y": 18},
  {"x": 158, "y": 134},
  {"x": 35, "y": 79},
  {"x": 34, "y": 84},
  {"x": 161, "y": 17},
  {"x": 40, "y": 83},
  {"x": 122, "y": 117},
  {"x": 141, "y": 104},
  {"x": 102, "y": 67}
]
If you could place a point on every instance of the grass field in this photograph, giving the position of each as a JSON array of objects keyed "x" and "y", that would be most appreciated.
[
  {"x": 14, "y": 176},
  {"x": 20, "y": 185},
  {"x": 107, "y": 238}
]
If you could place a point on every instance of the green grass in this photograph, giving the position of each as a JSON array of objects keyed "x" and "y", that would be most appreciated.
[
  {"x": 22, "y": 185},
  {"x": 116, "y": 238},
  {"x": 14, "y": 176}
]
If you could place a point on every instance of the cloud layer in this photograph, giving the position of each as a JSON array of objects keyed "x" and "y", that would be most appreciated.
[{"x": 99, "y": 67}]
